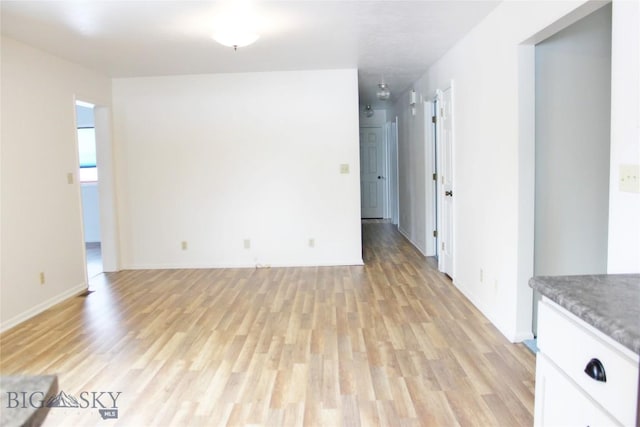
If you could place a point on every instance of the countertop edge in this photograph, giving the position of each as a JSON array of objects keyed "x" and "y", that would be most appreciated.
[{"x": 551, "y": 287}]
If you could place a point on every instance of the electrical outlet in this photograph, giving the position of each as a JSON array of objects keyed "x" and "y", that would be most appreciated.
[
  {"x": 630, "y": 178},
  {"x": 42, "y": 278},
  {"x": 184, "y": 245},
  {"x": 344, "y": 168},
  {"x": 481, "y": 275},
  {"x": 247, "y": 244},
  {"x": 312, "y": 243}
]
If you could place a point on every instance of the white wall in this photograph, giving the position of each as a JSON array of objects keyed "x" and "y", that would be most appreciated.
[
  {"x": 109, "y": 221},
  {"x": 90, "y": 211},
  {"x": 41, "y": 213},
  {"x": 624, "y": 208},
  {"x": 216, "y": 159},
  {"x": 412, "y": 173},
  {"x": 391, "y": 171},
  {"x": 573, "y": 92},
  {"x": 493, "y": 157}
]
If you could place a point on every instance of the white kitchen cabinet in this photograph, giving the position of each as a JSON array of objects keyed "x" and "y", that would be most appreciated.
[{"x": 565, "y": 394}]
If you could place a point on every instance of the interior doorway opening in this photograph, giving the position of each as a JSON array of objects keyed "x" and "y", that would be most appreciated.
[
  {"x": 379, "y": 199},
  {"x": 571, "y": 195},
  {"x": 88, "y": 176}
]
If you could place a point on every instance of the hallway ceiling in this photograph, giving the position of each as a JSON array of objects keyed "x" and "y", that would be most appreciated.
[{"x": 396, "y": 40}]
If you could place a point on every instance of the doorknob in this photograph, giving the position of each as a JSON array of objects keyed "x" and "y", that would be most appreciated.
[{"x": 448, "y": 193}]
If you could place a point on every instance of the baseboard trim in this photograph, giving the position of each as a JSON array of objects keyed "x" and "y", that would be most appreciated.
[
  {"x": 514, "y": 337},
  {"x": 357, "y": 262},
  {"x": 39, "y": 308},
  {"x": 414, "y": 244},
  {"x": 522, "y": 336}
]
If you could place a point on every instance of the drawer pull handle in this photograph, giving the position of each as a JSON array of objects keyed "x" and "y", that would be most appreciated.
[{"x": 595, "y": 370}]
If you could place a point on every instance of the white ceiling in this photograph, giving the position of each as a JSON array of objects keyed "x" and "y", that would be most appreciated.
[{"x": 394, "y": 39}]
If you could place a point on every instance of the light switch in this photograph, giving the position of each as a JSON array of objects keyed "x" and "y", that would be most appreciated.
[
  {"x": 70, "y": 178},
  {"x": 630, "y": 178},
  {"x": 344, "y": 168}
]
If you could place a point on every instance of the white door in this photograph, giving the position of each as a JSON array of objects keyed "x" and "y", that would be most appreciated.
[
  {"x": 372, "y": 162},
  {"x": 445, "y": 181}
]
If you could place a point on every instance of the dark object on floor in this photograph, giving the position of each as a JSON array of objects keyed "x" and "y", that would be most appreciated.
[{"x": 86, "y": 293}]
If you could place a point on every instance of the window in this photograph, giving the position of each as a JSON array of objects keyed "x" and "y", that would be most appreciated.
[{"x": 87, "y": 154}]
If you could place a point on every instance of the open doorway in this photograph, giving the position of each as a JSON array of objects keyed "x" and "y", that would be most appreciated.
[
  {"x": 572, "y": 147},
  {"x": 89, "y": 186},
  {"x": 378, "y": 167}
]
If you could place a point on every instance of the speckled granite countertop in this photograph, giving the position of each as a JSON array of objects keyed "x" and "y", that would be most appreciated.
[
  {"x": 610, "y": 303},
  {"x": 28, "y": 409}
]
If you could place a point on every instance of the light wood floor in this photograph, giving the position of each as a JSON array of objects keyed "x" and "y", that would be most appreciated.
[
  {"x": 391, "y": 343},
  {"x": 94, "y": 259}
]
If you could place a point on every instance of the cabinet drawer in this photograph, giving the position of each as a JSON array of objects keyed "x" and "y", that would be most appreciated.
[
  {"x": 571, "y": 344},
  {"x": 559, "y": 402}
]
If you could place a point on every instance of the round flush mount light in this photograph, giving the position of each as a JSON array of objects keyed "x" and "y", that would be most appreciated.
[{"x": 237, "y": 23}]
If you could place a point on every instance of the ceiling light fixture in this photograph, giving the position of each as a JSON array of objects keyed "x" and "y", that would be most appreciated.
[
  {"x": 383, "y": 93},
  {"x": 236, "y": 24},
  {"x": 368, "y": 111},
  {"x": 235, "y": 39}
]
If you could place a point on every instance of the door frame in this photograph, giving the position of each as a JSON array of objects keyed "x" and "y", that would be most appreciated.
[
  {"x": 106, "y": 191},
  {"x": 395, "y": 217},
  {"x": 431, "y": 183},
  {"x": 387, "y": 169}
]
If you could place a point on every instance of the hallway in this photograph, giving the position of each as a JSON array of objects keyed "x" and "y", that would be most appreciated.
[
  {"x": 390, "y": 343},
  {"x": 94, "y": 259}
]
